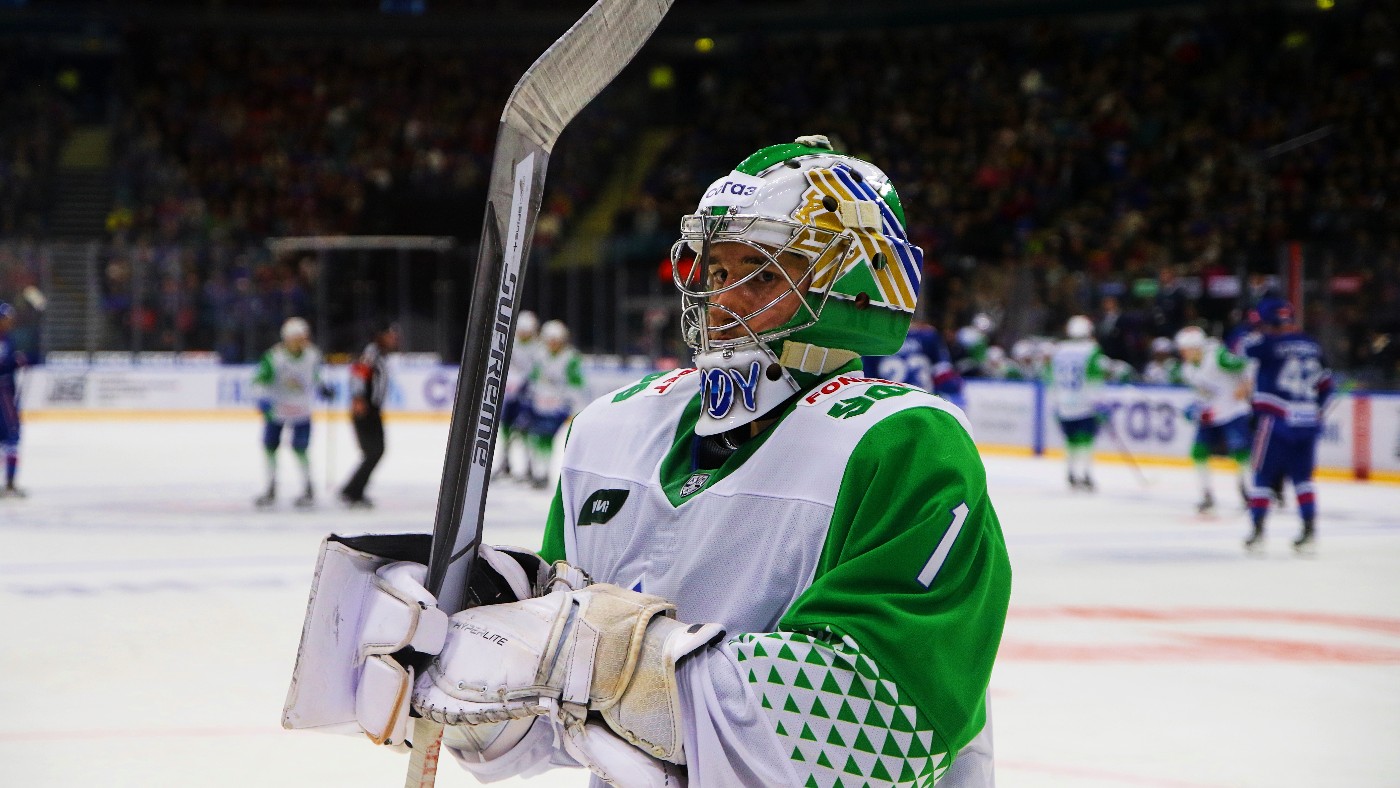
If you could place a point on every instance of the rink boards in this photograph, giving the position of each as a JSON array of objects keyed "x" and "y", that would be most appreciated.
[{"x": 1361, "y": 438}]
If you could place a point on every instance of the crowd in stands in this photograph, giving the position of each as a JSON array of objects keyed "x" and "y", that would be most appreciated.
[
  {"x": 34, "y": 122},
  {"x": 1126, "y": 168},
  {"x": 1126, "y": 172}
]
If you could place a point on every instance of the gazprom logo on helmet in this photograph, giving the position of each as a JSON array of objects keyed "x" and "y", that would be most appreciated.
[
  {"x": 733, "y": 190},
  {"x": 721, "y": 385}
]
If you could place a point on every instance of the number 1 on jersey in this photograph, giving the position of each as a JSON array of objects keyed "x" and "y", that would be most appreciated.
[{"x": 935, "y": 562}]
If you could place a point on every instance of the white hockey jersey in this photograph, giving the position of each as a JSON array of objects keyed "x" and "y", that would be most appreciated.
[
  {"x": 523, "y": 358},
  {"x": 556, "y": 383},
  {"x": 1221, "y": 381},
  {"x": 837, "y": 548},
  {"x": 1076, "y": 374},
  {"x": 288, "y": 381}
]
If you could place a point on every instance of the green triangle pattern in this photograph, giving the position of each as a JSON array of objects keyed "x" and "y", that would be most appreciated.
[
  {"x": 879, "y": 773},
  {"x": 857, "y": 689},
  {"x": 829, "y": 685},
  {"x": 835, "y": 737},
  {"x": 892, "y": 748},
  {"x": 842, "y": 722}
]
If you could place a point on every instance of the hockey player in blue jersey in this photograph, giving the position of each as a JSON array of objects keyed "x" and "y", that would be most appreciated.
[
  {"x": 1291, "y": 387},
  {"x": 10, "y": 362},
  {"x": 923, "y": 360}
]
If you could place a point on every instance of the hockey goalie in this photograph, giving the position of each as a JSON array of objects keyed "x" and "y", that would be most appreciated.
[{"x": 765, "y": 570}]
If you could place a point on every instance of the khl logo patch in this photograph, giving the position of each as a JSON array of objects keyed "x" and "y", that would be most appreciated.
[
  {"x": 601, "y": 506},
  {"x": 694, "y": 484}
]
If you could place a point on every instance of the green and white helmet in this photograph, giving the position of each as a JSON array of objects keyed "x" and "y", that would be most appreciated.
[{"x": 857, "y": 294}]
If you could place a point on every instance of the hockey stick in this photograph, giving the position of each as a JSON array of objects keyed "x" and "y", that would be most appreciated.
[
  {"x": 559, "y": 84},
  {"x": 1123, "y": 450}
]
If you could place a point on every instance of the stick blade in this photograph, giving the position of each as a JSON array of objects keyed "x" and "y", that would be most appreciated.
[{"x": 579, "y": 65}]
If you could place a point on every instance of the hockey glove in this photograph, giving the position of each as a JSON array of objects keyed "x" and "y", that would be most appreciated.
[
  {"x": 326, "y": 392},
  {"x": 1192, "y": 412},
  {"x": 370, "y": 618},
  {"x": 601, "y": 649},
  {"x": 265, "y": 407}
]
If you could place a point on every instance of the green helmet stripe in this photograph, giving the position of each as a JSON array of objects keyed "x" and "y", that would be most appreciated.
[
  {"x": 891, "y": 198},
  {"x": 773, "y": 154}
]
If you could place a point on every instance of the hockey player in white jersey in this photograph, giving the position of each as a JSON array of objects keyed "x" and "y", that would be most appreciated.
[
  {"x": 1164, "y": 368},
  {"x": 797, "y": 575},
  {"x": 1222, "y": 407},
  {"x": 515, "y": 407},
  {"x": 285, "y": 383},
  {"x": 557, "y": 391},
  {"x": 1075, "y": 377}
]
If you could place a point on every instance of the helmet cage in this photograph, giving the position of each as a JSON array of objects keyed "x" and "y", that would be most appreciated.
[{"x": 825, "y": 251}]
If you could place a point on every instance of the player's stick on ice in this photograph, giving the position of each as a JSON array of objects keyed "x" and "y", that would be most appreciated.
[
  {"x": 1122, "y": 447},
  {"x": 330, "y": 443},
  {"x": 560, "y": 83}
]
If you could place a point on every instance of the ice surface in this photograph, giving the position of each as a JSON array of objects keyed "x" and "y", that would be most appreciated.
[{"x": 150, "y": 618}]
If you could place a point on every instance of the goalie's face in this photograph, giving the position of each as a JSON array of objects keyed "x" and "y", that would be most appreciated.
[
  {"x": 739, "y": 293},
  {"x": 761, "y": 288}
]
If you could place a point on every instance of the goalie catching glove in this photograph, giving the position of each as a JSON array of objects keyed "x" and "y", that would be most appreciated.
[{"x": 599, "y": 649}]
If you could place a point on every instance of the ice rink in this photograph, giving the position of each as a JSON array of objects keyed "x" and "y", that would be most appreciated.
[{"x": 150, "y": 619}]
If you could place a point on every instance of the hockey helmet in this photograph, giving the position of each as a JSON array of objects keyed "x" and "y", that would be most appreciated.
[
  {"x": 554, "y": 331},
  {"x": 1190, "y": 338},
  {"x": 1079, "y": 327},
  {"x": 828, "y": 256},
  {"x": 295, "y": 328},
  {"x": 1274, "y": 312}
]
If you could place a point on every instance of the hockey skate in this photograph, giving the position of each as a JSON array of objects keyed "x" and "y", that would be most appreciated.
[
  {"x": 1207, "y": 504},
  {"x": 268, "y": 498},
  {"x": 1306, "y": 543},
  {"x": 306, "y": 500},
  {"x": 12, "y": 491},
  {"x": 1255, "y": 542}
]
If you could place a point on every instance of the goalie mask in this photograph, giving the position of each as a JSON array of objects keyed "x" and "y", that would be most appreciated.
[{"x": 795, "y": 262}]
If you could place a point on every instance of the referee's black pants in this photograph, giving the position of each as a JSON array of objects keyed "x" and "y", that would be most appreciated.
[{"x": 369, "y": 431}]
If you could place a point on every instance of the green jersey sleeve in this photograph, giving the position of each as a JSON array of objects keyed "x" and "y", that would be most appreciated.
[
  {"x": 552, "y": 547},
  {"x": 1229, "y": 361},
  {"x": 1097, "y": 369},
  {"x": 264, "y": 374},
  {"x": 914, "y": 579}
]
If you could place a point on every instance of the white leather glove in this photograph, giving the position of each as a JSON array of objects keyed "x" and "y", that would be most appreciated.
[{"x": 601, "y": 649}]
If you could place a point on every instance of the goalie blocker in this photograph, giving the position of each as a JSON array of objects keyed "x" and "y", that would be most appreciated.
[{"x": 542, "y": 642}]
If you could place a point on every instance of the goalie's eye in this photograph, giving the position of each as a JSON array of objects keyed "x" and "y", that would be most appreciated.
[{"x": 766, "y": 277}]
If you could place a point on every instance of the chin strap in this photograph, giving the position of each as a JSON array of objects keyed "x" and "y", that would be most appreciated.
[{"x": 814, "y": 359}]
